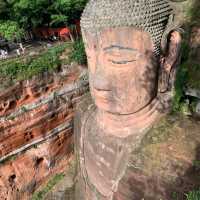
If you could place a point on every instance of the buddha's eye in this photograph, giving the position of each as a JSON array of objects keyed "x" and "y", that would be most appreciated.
[
  {"x": 122, "y": 62},
  {"x": 121, "y": 56}
]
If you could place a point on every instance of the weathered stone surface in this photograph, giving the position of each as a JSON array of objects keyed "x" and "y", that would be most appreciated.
[
  {"x": 195, "y": 38},
  {"x": 22, "y": 174},
  {"x": 166, "y": 166},
  {"x": 36, "y": 129},
  {"x": 193, "y": 92},
  {"x": 198, "y": 108}
]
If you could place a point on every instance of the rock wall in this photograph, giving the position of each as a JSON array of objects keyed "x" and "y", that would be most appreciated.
[{"x": 36, "y": 119}]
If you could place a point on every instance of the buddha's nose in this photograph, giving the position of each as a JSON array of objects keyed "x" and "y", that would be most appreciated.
[{"x": 101, "y": 80}]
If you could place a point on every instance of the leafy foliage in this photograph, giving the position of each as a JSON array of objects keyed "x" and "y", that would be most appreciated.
[
  {"x": 4, "y": 9},
  {"x": 16, "y": 15},
  {"x": 193, "y": 14},
  {"x": 65, "y": 11},
  {"x": 179, "y": 97},
  {"x": 10, "y": 30},
  {"x": 188, "y": 75},
  {"x": 78, "y": 53},
  {"x": 21, "y": 69},
  {"x": 194, "y": 76},
  {"x": 193, "y": 195},
  {"x": 57, "y": 19},
  {"x": 36, "y": 13},
  {"x": 40, "y": 195},
  {"x": 30, "y": 13}
]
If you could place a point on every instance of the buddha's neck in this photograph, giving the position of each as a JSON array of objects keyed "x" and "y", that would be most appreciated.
[{"x": 125, "y": 125}]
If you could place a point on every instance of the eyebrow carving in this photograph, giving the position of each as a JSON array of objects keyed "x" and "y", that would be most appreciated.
[{"x": 119, "y": 47}]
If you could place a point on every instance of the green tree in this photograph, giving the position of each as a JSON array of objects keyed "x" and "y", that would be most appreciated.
[
  {"x": 31, "y": 13},
  {"x": 4, "y": 9},
  {"x": 45, "y": 12},
  {"x": 64, "y": 12},
  {"x": 10, "y": 30},
  {"x": 34, "y": 13}
]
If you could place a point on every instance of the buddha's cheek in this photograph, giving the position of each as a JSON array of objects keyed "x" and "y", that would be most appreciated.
[
  {"x": 131, "y": 92},
  {"x": 140, "y": 91},
  {"x": 121, "y": 83},
  {"x": 135, "y": 97}
]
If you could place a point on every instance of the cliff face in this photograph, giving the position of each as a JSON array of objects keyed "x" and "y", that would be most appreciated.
[{"x": 36, "y": 129}]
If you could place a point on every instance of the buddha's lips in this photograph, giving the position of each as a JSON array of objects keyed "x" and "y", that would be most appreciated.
[{"x": 102, "y": 92}]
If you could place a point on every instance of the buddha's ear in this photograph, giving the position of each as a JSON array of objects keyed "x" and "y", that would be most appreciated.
[{"x": 169, "y": 62}]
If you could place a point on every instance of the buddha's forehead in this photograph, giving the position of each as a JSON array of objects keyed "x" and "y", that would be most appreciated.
[
  {"x": 132, "y": 37},
  {"x": 123, "y": 36}
]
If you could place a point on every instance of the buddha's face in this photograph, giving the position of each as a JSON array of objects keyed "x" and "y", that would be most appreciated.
[{"x": 122, "y": 69}]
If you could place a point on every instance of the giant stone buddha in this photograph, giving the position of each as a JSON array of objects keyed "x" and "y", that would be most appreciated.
[{"x": 132, "y": 49}]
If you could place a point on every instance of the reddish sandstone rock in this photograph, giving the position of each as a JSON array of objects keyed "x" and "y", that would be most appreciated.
[
  {"x": 31, "y": 110},
  {"x": 22, "y": 175},
  {"x": 36, "y": 129}
]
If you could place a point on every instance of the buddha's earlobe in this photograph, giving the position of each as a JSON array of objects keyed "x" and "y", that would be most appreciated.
[{"x": 169, "y": 63}]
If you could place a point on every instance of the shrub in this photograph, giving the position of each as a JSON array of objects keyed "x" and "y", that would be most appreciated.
[
  {"x": 78, "y": 53},
  {"x": 41, "y": 194},
  {"x": 46, "y": 62},
  {"x": 188, "y": 76},
  {"x": 23, "y": 68},
  {"x": 194, "y": 76},
  {"x": 193, "y": 195},
  {"x": 181, "y": 79},
  {"x": 10, "y": 30},
  {"x": 179, "y": 96}
]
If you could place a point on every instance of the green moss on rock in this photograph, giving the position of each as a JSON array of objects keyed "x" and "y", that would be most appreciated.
[
  {"x": 41, "y": 194},
  {"x": 194, "y": 76}
]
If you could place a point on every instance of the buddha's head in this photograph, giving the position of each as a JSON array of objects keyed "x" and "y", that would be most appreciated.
[{"x": 123, "y": 45}]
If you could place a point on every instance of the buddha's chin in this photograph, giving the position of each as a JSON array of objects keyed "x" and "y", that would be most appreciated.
[{"x": 108, "y": 107}]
